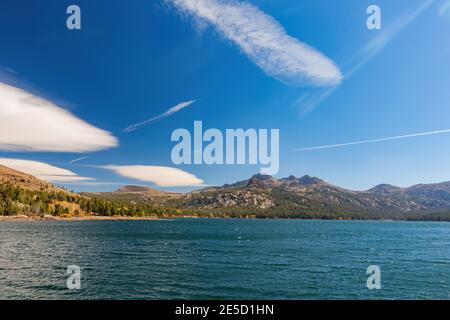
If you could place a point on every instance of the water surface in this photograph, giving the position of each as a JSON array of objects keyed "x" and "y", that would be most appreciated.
[{"x": 224, "y": 259}]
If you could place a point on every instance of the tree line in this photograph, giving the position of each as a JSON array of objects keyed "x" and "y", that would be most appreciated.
[{"x": 16, "y": 200}]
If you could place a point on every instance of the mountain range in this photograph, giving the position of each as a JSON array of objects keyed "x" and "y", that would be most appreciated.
[
  {"x": 300, "y": 196},
  {"x": 259, "y": 196}
]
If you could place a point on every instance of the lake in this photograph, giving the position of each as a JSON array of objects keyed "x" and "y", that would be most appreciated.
[{"x": 224, "y": 259}]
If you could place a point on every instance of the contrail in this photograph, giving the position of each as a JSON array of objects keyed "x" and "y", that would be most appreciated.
[
  {"x": 368, "y": 52},
  {"x": 373, "y": 140},
  {"x": 168, "y": 113},
  {"x": 444, "y": 8},
  {"x": 77, "y": 159}
]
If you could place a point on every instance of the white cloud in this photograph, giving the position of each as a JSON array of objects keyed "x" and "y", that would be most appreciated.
[
  {"x": 161, "y": 176},
  {"x": 31, "y": 123},
  {"x": 42, "y": 170},
  {"x": 264, "y": 41},
  {"x": 168, "y": 113}
]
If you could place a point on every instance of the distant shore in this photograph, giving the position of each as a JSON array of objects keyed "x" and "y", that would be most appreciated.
[
  {"x": 24, "y": 218},
  {"x": 71, "y": 218}
]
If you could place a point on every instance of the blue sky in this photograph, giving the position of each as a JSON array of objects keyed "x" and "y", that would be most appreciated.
[{"x": 133, "y": 60}]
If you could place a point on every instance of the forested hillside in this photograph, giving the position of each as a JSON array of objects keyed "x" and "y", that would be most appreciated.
[{"x": 258, "y": 197}]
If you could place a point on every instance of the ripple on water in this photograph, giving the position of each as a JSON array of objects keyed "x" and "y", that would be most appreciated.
[{"x": 224, "y": 259}]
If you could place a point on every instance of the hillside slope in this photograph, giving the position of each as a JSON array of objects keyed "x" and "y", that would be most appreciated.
[
  {"x": 136, "y": 194},
  {"x": 24, "y": 194},
  {"x": 23, "y": 180}
]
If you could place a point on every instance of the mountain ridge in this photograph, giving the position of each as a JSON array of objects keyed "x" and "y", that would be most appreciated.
[
  {"x": 307, "y": 191},
  {"x": 258, "y": 196}
]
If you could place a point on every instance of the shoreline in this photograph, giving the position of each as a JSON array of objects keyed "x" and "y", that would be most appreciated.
[
  {"x": 25, "y": 218},
  {"x": 74, "y": 218}
]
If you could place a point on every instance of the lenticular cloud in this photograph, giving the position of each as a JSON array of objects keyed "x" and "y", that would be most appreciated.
[
  {"x": 161, "y": 176},
  {"x": 264, "y": 41},
  {"x": 42, "y": 170},
  {"x": 31, "y": 123}
]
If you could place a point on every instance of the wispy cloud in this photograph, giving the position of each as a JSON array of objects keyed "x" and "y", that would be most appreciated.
[
  {"x": 43, "y": 170},
  {"x": 310, "y": 100},
  {"x": 161, "y": 176},
  {"x": 366, "y": 53},
  {"x": 31, "y": 123},
  {"x": 373, "y": 140},
  {"x": 7, "y": 74},
  {"x": 77, "y": 159},
  {"x": 94, "y": 183},
  {"x": 444, "y": 8},
  {"x": 166, "y": 114},
  {"x": 264, "y": 41},
  {"x": 378, "y": 43}
]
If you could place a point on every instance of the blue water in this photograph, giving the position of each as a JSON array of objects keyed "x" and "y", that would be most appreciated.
[{"x": 224, "y": 259}]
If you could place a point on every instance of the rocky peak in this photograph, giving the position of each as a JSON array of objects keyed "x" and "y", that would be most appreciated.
[
  {"x": 384, "y": 189},
  {"x": 308, "y": 180},
  {"x": 260, "y": 181},
  {"x": 262, "y": 177}
]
